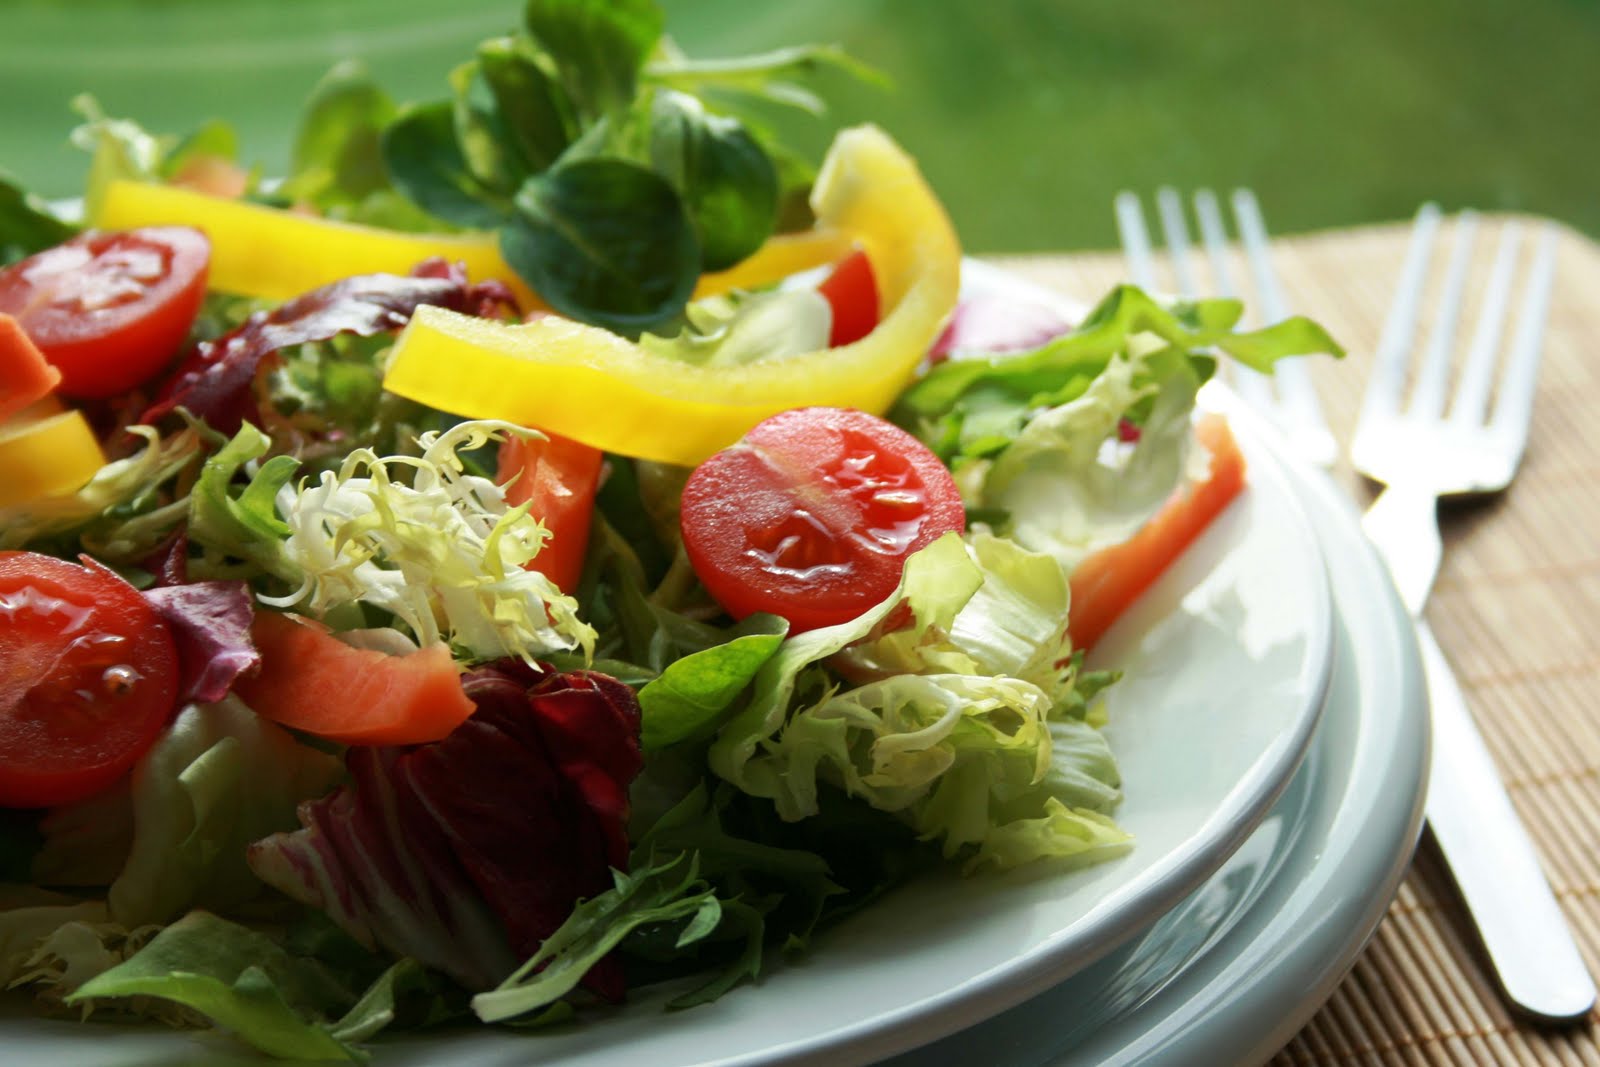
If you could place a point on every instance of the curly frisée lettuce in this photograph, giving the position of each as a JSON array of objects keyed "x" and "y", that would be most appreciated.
[{"x": 443, "y": 554}]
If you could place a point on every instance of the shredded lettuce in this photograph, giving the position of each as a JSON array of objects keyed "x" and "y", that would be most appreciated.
[{"x": 444, "y": 554}]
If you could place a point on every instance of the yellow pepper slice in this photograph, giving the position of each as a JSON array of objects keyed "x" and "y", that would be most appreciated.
[
  {"x": 589, "y": 384},
  {"x": 275, "y": 254},
  {"x": 45, "y": 451}
]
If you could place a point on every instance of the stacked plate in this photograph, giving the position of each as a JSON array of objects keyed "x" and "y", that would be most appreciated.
[{"x": 1272, "y": 732}]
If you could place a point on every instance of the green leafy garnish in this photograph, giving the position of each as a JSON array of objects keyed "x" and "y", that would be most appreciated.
[{"x": 615, "y": 171}]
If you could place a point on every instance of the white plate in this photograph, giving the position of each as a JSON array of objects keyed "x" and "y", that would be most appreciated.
[
  {"x": 1227, "y": 660},
  {"x": 1233, "y": 972}
]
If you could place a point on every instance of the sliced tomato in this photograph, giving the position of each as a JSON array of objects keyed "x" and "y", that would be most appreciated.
[
  {"x": 852, "y": 293},
  {"x": 88, "y": 679},
  {"x": 557, "y": 477},
  {"x": 1108, "y": 582},
  {"x": 109, "y": 310},
  {"x": 812, "y": 515},
  {"x": 312, "y": 681}
]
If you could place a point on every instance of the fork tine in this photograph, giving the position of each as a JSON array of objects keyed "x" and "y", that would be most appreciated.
[
  {"x": 1253, "y": 232},
  {"x": 1253, "y": 387},
  {"x": 1135, "y": 240},
  {"x": 1389, "y": 361},
  {"x": 1472, "y": 394},
  {"x": 1427, "y": 399},
  {"x": 1298, "y": 395},
  {"x": 1215, "y": 236},
  {"x": 1514, "y": 406},
  {"x": 1176, "y": 233}
]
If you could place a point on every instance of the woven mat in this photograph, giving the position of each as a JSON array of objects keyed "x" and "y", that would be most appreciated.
[{"x": 1517, "y": 610}]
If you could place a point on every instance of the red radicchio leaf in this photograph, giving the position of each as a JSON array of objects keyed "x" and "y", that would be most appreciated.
[
  {"x": 169, "y": 563},
  {"x": 467, "y": 853},
  {"x": 210, "y": 623},
  {"x": 990, "y": 325},
  {"x": 215, "y": 381}
]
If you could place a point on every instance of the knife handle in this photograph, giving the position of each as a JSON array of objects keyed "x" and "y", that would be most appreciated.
[{"x": 1494, "y": 861}]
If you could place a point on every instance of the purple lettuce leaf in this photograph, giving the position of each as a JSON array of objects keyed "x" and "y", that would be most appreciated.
[
  {"x": 468, "y": 852},
  {"x": 215, "y": 381},
  {"x": 210, "y": 624}
]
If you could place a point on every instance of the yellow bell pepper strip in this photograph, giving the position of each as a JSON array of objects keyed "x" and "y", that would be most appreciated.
[
  {"x": 45, "y": 451},
  {"x": 276, "y": 254},
  {"x": 777, "y": 259},
  {"x": 598, "y": 388}
]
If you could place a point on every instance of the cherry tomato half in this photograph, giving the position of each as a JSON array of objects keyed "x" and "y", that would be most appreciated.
[
  {"x": 852, "y": 292},
  {"x": 109, "y": 310},
  {"x": 812, "y": 515},
  {"x": 88, "y": 678}
]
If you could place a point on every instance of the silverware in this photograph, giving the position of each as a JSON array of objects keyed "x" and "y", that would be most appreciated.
[
  {"x": 1287, "y": 398},
  {"x": 1421, "y": 454}
]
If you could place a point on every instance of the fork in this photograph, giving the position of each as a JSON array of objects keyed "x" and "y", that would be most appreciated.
[
  {"x": 1529, "y": 945},
  {"x": 1421, "y": 454},
  {"x": 1287, "y": 398}
]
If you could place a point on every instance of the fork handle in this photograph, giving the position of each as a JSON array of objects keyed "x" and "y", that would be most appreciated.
[
  {"x": 1494, "y": 862},
  {"x": 1404, "y": 520}
]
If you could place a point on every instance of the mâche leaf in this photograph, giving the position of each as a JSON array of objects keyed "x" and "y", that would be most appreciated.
[
  {"x": 727, "y": 181},
  {"x": 426, "y": 163},
  {"x": 604, "y": 240},
  {"x": 598, "y": 46}
]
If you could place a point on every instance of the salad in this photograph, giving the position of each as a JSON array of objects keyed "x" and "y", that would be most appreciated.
[{"x": 485, "y": 572}]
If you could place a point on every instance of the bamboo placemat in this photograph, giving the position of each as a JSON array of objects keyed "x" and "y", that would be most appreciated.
[{"x": 1517, "y": 610}]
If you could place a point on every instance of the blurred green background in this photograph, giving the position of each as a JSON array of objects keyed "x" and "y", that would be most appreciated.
[{"x": 1026, "y": 114}]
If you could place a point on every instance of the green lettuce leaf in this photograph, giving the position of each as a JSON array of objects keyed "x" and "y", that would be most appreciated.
[
  {"x": 937, "y": 580},
  {"x": 123, "y": 512},
  {"x": 245, "y": 527},
  {"x": 241, "y": 980},
  {"x": 671, "y": 892},
  {"x": 1065, "y": 483},
  {"x": 943, "y": 735},
  {"x": 692, "y": 695},
  {"x": 974, "y": 407},
  {"x": 220, "y": 778},
  {"x": 29, "y": 918},
  {"x": 1075, "y": 837},
  {"x": 1012, "y": 624},
  {"x": 744, "y": 327}
]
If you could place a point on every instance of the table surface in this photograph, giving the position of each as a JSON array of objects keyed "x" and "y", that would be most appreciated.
[{"x": 1517, "y": 610}]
